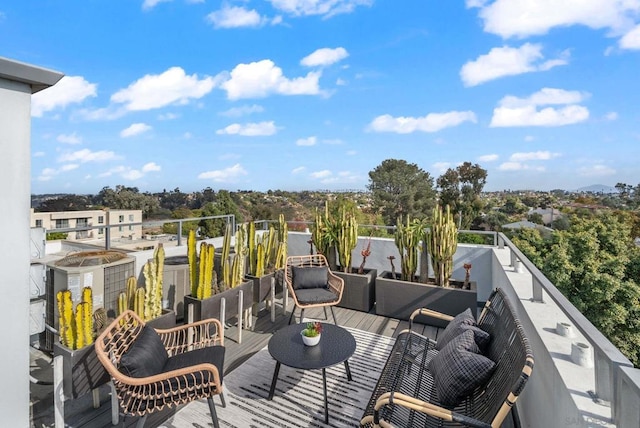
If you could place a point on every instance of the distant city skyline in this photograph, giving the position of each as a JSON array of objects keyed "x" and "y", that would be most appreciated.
[{"x": 298, "y": 95}]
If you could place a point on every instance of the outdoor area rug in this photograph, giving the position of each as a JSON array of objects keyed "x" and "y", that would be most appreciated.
[{"x": 298, "y": 400}]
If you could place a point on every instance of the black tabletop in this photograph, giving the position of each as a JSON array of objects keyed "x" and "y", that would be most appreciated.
[{"x": 336, "y": 346}]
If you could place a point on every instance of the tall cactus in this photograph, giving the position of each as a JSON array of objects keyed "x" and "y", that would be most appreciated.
[
  {"x": 407, "y": 239},
  {"x": 153, "y": 275},
  {"x": 442, "y": 243},
  {"x": 76, "y": 327},
  {"x": 205, "y": 265},
  {"x": 321, "y": 233},
  {"x": 237, "y": 268},
  {"x": 253, "y": 251},
  {"x": 282, "y": 242},
  {"x": 193, "y": 262},
  {"x": 346, "y": 237}
]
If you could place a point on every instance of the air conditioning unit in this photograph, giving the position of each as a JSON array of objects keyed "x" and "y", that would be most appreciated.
[{"x": 106, "y": 272}]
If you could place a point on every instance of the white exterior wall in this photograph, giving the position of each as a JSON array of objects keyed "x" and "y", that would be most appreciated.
[
  {"x": 15, "y": 191},
  {"x": 17, "y": 82}
]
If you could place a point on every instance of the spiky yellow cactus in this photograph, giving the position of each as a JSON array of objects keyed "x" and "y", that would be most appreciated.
[
  {"x": 407, "y": 239},
  {"x": 153, "y": 274},
  {"x": 65, "y": 322},
  {"x": 138, "y": 302},
  {"x": 346, "y": 237},
  {"x": 193, "y": 262}
]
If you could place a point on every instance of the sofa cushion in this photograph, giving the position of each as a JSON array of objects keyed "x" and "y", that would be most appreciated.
[
  {"x": 146, "y": 357},
  {"x": 307, "y": 296},
  {"x": 310, "y": 277},
  {"x": 211, "y": 354},
  {"x": 461, "y": 322},
  {"x": 458, "y": 369}
]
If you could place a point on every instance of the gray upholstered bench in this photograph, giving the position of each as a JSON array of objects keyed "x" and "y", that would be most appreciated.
[{"x": 471, "y": 376}]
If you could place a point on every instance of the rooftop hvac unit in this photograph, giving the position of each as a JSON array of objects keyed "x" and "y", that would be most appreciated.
[
  {"x": 175, "y": 284},
  {"x": 106, "y": 272}
]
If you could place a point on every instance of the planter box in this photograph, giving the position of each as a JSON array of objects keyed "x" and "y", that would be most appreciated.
[
  {"x": 398, "y": 299},
  {"x": 165, "y": 321},
  {"x": 210, "y": 308},
  {"x": 359, "y": 290},
  {"x": 82, "y": 371}
]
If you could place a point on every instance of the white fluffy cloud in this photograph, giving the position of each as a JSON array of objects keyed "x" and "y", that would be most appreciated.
[
  {"x": 298, "y": 170},
  {"x": 235, "y": 17},
  {"x": 507, "y": 61},
  {"x": 69, "y": 90},
  {"x": 519, "y": 166},
  {"x": 150, "y": 4},
  {"x": 324, "y": 57},
  {"x": 224, "y": 175},
  {"x": 596, "y": 171},
  {"x": 86, "y": 155},
  {"x": 529, "y": 156},
  {"x": 151, "y": 167},
  {"x": 631, "y": 40},
  {"x": 327, "y": 8},
  {"x": 488, "y": 158},
  {"x": 249, "y": 129},
  {"x": 325, "y": 173},
  {"x": 432, "y": 122},
  {"x": 523, "y": 18},
  {"x": 242, "y": 110},
  {"x": 513, "y": 111},
  {"x": 135, "y": 129},
  {"x": 48, "y": 173},
  {"x": 69, "y": 138},
  {"x": 263, "y": 78},
  {"x": 441, "y": 167},
  {"x": 310, "y": 141},
  {"x": 159, "y": 90}
]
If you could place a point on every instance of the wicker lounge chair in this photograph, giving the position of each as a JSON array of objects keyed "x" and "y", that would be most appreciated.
[
  {"x": 153, "y": 369},
  {"x": 312, "y": 284}
]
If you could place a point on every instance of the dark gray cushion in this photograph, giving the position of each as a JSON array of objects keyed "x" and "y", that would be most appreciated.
[
  {"x": 310, "y": 277},
  {"x": 454, "y": 328},
  {"x": 315, "y": 295},
  {"x": 458, "y": 369},
  {"x": 211, "y": 354},
  {"x": 146, "y": 357}
]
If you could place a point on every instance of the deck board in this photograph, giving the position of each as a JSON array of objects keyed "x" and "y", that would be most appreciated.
[{"x": 80, "y": 414}]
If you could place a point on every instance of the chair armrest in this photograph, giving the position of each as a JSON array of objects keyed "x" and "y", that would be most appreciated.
[
  {"x": 196, "y": 335},
  {"x": 411, "y": 403},
  {"x": 335, "y": 284},
  {"x": 429, "y": 313}
]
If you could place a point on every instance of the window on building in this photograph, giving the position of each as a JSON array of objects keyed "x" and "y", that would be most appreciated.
[
  {"x": 101, "y": 231},
  {"x": 100, "y": 219},
  {"x": 38, "y": 223},
  {"x": 62, "y": 223},
  {"x": 82, "y": 222},
  {"x": 130, "y": 217},
  {"x": 119, "y": 228},
  {"x": 130, "y": 227},
  {"x": 120, "y": 218}
]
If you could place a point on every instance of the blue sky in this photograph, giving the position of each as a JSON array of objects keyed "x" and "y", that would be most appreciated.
[{"x": 313, "y": 94}]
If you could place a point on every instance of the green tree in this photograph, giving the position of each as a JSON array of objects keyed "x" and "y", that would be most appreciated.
[
  {"x": 223, "y": 205},
  {"x": 400, "y": 188},
  {"x": 460, "y": 188},
  {"x": 535, "y": 218},
  {"x": 128, "y": 198}
]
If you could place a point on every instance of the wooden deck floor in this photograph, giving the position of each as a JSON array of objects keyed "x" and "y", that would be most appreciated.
[{"x": 80, "y": 413}]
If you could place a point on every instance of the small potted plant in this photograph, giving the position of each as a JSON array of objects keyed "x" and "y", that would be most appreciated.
[{"x": 311, "y": 333}]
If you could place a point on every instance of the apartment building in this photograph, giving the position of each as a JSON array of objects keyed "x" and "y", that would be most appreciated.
[{"x": 122, "y": 223}]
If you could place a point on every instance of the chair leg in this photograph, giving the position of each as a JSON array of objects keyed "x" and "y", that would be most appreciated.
[
  {"x": 326, "y": 316},
  {"x": 141, "y": 421},
  {"x": 334, "y": 315},
  {"x": 293, "y": 311},
  {"x": 224, "y": 403},
  {"x": 214, "y": 415},
  {"x": 301, "y": 315}
]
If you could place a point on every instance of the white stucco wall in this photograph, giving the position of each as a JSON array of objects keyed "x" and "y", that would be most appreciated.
[{"x": 15, "y": 190}]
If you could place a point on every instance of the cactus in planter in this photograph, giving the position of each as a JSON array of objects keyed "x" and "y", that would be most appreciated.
[
  {"x": 153, "y": 275},
  {"x": 237, "y": 267},
  {"x": 76, "y": 327},
  {"x": 281, "y": 246},
  {"x": 407, "y": 239},
  {"x": 193, "y": 262},
  {"x": 204, "y": 280},
  {"x": 321, "y": 234},
  {"x": 442, "y": 242},
  {"x": 366, "y": 252},
  {"x": 346, "y": 237}
]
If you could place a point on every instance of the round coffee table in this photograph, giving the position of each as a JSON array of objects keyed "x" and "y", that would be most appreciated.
[{"x": 336, "y": 346}]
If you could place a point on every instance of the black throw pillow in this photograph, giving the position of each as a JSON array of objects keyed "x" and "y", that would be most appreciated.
[
  {"x": 310, "y": 277},
  {"x": 146, "y": 357},
  {"x": 458, "y": 369},
  {"x": 453, "y": 328}
]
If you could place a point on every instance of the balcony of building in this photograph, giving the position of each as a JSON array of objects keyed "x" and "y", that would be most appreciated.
[{"x": 601, "y": 389}]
